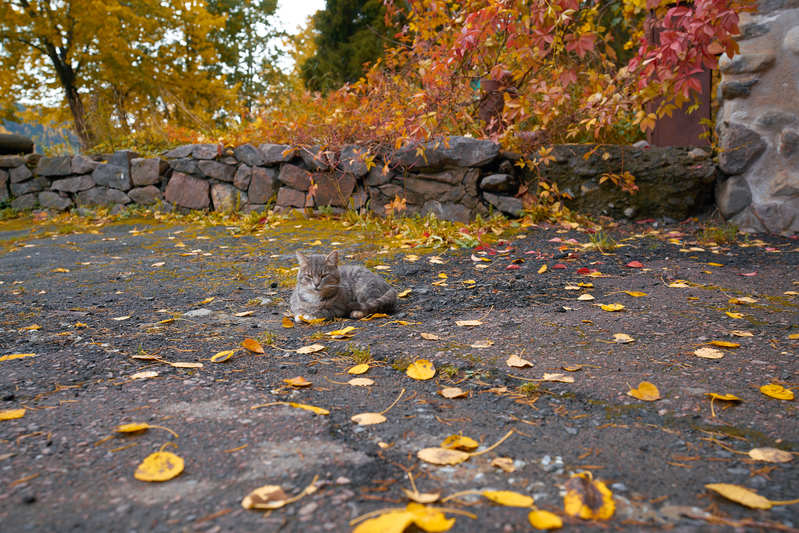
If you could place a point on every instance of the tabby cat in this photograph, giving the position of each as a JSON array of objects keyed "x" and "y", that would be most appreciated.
[{"x": 326, "y": 290}]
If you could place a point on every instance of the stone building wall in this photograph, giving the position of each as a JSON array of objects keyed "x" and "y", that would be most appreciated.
[
  {"x": 758, "y": 124},
  {"x": 456, "y": 179}
]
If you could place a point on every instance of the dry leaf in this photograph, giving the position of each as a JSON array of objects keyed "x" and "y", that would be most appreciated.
[
  {"x": 452, "y": 392},
  {"x": 287, "y": 322},
  {"x": 482, "y": 344},
  {"x": 612, "y": 307},
  {"x": 517, "y": 362},
  {"x": 646, "y": 391},
  {"x": 777, "y": 391},
  {"x": 468, "y": 323},
  {"x": 442, "y": 456},
  {"x": 11, "y": 414},
  {"x": 733, "y": 315},
  {"x": 709, "y": 353},
  {"x": 182, "y": 364},
  {"x": 358, "y": 369},
  {"x": 404, "y": 293},
  {"x": 368, "y": 419},
  {"x": 121, "y": 318},
  {"x": 60, "y": 270},
  {"x": 460, "y": 442},
  {"x": 11, "y": 356},
  {"x": 724, "y": 397},
  {"x": 741, "y": 333},
  {"x": 573, "y": 368},
  {"x": 557, "y": 377},
  {"x": 588, "y": 498},
  {"x": 159, "y": 466},
  {"x": 509, "y": 498},
  {"x": 740, "y": 495},
  {"x": 422, "y": 497},
  {"x": 207, "y": 300},
  {"x": 298, "y": 381},
  {"x": 770, "y": 455},
  {"x": 144, "y": 375},
  {"x": 32, "y": 327},
  {"x": 542, "y": 269},
  {"x": 545, "y": 520},
  {"x": 635, "y": 294},
  {"x": 311, "y": 408},
  {"x": 586, "y": 297},
  {"x": 678, "y": 285},
  {"x": 505, "y": 464},
  {"x": 222, "y": 356},
  {"x": 430, "y": 336},
  {"x": 725, "y": 344},
  {"x": 344, "y": 332},
  {"x": 266, "y": 497},
  {"x": 622, "y": 338},
  {"x": 252, "y": 345},
  {"x": 244, "y": 313},
  {"x": 421, "y": 369},
  {"x": 361, "y": 382},
  {"x": 311, "y": 348},
  {"x": 743, "y": 300}
]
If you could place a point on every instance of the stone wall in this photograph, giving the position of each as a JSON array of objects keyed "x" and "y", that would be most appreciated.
[
  {"x": 456, "y": 179},
  {"x": 758, "y": 124}
]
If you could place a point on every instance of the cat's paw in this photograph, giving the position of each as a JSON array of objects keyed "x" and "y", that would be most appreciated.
[{"x": 357, "y": 314}]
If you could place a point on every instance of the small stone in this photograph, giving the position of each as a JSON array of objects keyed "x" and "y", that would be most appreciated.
[
  {"x": 226, "y": 198},
  {"x": 11, "y": 161},
  {"x": 499, "y": 183},
  {"x": 376, "y": 177},
  {"x": 52, "y": 200},
  {"x": 185, "y": 165},
  {"x": 188, "y": 191},
  {"x": 288, "y": 197},
  {"x": 739, "y": 147},
  {"x": 333, "y": 190},
  {"x": 54, "y": 166},
  {"x": 147, "y": 195},
  {"x": 19, "y": 174},
  {"x": 180, "y": 152},
  {"x": 198, "y": 313},
  {"x": 113, "y": 176},
  {"x": 788, "y": 143},
  {"x": 216, "y": 170},
  {"x": 102, "y": 196},
  {"x": 249, "y": 155},
  {"x": 76, "y": 184},
  {"x": 35, "y": 185}
]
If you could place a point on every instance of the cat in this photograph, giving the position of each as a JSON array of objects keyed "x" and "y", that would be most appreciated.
[{"x": 326, "y": 290}]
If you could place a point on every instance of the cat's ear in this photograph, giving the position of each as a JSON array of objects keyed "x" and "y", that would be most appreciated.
[
  {"x": 332, "y": 258},
  {"x": 302, "y": 259}
]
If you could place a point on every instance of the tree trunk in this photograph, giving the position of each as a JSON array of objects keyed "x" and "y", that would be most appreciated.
[{"x": 79, "y": 117}]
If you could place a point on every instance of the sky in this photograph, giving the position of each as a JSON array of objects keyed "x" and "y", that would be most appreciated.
[{"x": 292, "y": 13}]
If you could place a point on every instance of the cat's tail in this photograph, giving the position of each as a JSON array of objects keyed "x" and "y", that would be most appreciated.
[{"x": 382, "y": 304}]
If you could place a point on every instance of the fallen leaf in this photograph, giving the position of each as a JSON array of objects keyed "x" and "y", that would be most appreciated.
[
  {"x": 460, "y": 442},
  {"x": 506, "y": 464},
  {"x": 740, "y": 495},
  {"x": 482, "y": 344},
  {"x": 298, "y": 382},
  {"x": 11, "y": 414},
  {"x": 421, "y": 370},
  {"x": 368, "y": 419},
  {"x": 422, "y": 497},
  {"x": 358, "y": 369},
  {"x": 622, "y": 338},
  {"x": 32, "y": 327},
  {"x": 709, "y": 353},
  {"x": 222, "y": 356},
  {"x": 182, "y": 364},
  {"x": 636, "y": 294},
  {"x": 452, "y": 392},
  {"x": 542, "y": 269},
  {"x": 573, "y": 368},
  {"x": 341, "y": 332},
  {"x": 793, "y": 336},
  {"x": 287, "y": 322},
  {"x": 11, "y": 356},
  {"x": 468, "y": 323},
  {"x": 678, "y": 285},
  {"x": 266, "y": 497},
  {"x": 60, "y": 270},
  {"x": 121, "y": 318},
  {"x": 144, "y": 375},
  {"x": 545, "y": 520},
  {"x": 517, "y": 362},
  {"x": 646, "y": 391},
  {"x": 244, "y": 313},
  {"x": 361, "y": 382},
  {"x": 442, "y": 456},
  {"x": 207, "y": 300},
  {"x": 725, "y": 344},
  {"x": 159, "y": 466},
  {"x": 430, "y": 336},
  {"x": 741, "y": 333},
  {"x": 311, "y": 348},
  {"x": 588, "y": 498},
  {"x": 312, "y": 408},
  {"x": 777, "y": 391},
  {"x": 743, "y": 300},
  {"x": 585, "y": 297},
  {"x": 724, "y": 397},
  {"x": 509, "y": 498},
  {"x": 557, "y": 377},
  {"x": 733, "y": 315},
  {"x": 770, "y": 455},
  {"x": 252, "y": 345},
  {"x": 634, "y": 264},
  {"x": 612, "y": 307}
]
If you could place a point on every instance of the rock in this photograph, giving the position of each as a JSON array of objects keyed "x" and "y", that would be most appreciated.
[
  {"x": 276, "y": 153},
  {"x": 641, "y": 144},
  {"x": 746, "y": 63},
  {"x": 358, "y": 199},
  {"x": 11, "y": 161},
  {"x": 18, "y": 174},
  {"x": 113, "y": 176},
  {"x": 352, "y": 160},
  {"x": 333, "y": 189},
  {"x": 54, "y": 166},
  {"x": 147, "y": 171},
  {"x": 376, "y": 177},
  {"x": 242, "y": 177},
  {"x": 418, "y": 190},
  {"x": 452, "y": 177},
  {"x": 180, "y": 152},
  {"x": 147, "y": 195},
  {"x": 262, "y": 185},
  {"x": 206, "y": 151},
  {"x": 784, "y": 183},
  {"x": 249, "y": 155},
  {"x": 294, "y": 177},
  {"x": 185, "y": 165},
  {"x": 791, "y": 40},
  {"x": 3, "y": 185},
  {"x": 187, "y": 191},
  {"x": 775, "y": 120},
  {"x": 287, "y": 197},
  {"x": 752, "y": 30},
  {"x": 227, "y": 198},
  {"x": 697, "y": 154},
  {"x": 737, "y": 88},
  {"x": 83, "y": 165},
  {"x": 739, "y": 147},
  {"x": 34, "y": 185},
  {"x": 316, "y": 158},
  {"x": 102, "y": 196},
  {"x": 499, "y": 183},
  {"x": 216, "y": 170},
  {"x": 447, "y": 211},
  {"x": 507, "y": 204},
  {"x": 76, "y": 184},
  {"x": 24, "y": 202},
  {"x": 788, "y": 143},
  {"x": 53, "y": 200},
  {"x": 449, "y": 152},
  {"x": 732, "y": 196}
]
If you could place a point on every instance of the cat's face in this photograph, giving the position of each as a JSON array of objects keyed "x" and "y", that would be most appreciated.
[{"x": 318, "y": 275}]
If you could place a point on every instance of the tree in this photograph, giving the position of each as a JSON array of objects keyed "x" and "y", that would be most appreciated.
[
  {"x": 132, "y": 60},
  {"x": 349, "y": 33}
]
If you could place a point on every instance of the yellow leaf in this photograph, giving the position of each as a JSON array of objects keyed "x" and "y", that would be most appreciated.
[
  {"x": 430, "y": 336},
  {"x": 612, "y": 307},
  {"x": 32, "y": 327},
  {"x": 144, "y": 375},
  {"x": 79, "y": 325},
  {"x": 504, "y": 463},
  {"x": 442, "y": 456},
  {"x": 390, "y": 522},
  {"x": 678, "y": 285},
  {"x": 715, "y": 264},
  {"x": 298, "y": 381},
  {"x": 468, "y": 323},
  {"x": 517, "y": 362},
  {"x": 222, "y": 356},
  {"x": 132, "y": 428},
  {"x": 725, "y": 344},
  {"x": 646, "y": 391},
  {"x": 725, "y": 397},
  {"x": 358, "y": 369},
  {"x": 361, "y": 382},
  {"x": 404, "y": 293},
  {"x": 312, "y": 408},
  {"x": 542, "y": 269},
  {"x": 429, "y": 519},
  {"x": 207, "y": 300},
  {"x": 636, "y": 294},
  {"x": 622, "y": 338},
  {"x": 541, "y": 519},
  {"x": 709, "y": 353},
  {"x": 733, "y": 315},
  {"x": 587, "y": 498},
  {"x": 266, "y": 497},
  {"x": 793, "y": 336},
  {"x": 311, "y": 348},
  {"x": 422, "y": 497},
  {"x": 421, "y": 369},
  {"x": 452, "y": 393},
  {"x": 368, "y": 419},
  {"x": 11, "y": 356},
  {"x": 777, "y": 391},
  {"x": 770, "y": 455},
  {"x": 181, "y": 364},
  {"x": 159, "y": 466},
  {"x": 374, "y": 316},
  {"x": 252, "y": 345},
  {"x": 585, "y": 285},
  {"x": 740, "y": 495},
  {"x": 442, "y": 275},
  {"x": 557, "y": 377},
  {"x": 585, "y": 297},
  {"x": 743, "y": 300},
  {"x": 460, "y": 442},
  {"x": 341, "y": 332},
  {"x": 742, "y": 333},
  {"x": 164, "y": 321},
  {"x": 287, "y": 322},
  {"x": 244, "y": 313},
  {"x": 60, "y": 270},
  {"x": 509, "y": 498},
  {"x": 482, "y": 344},
  {"x": 11, "y": 414},
  {"x": 121, "y": 318}
]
